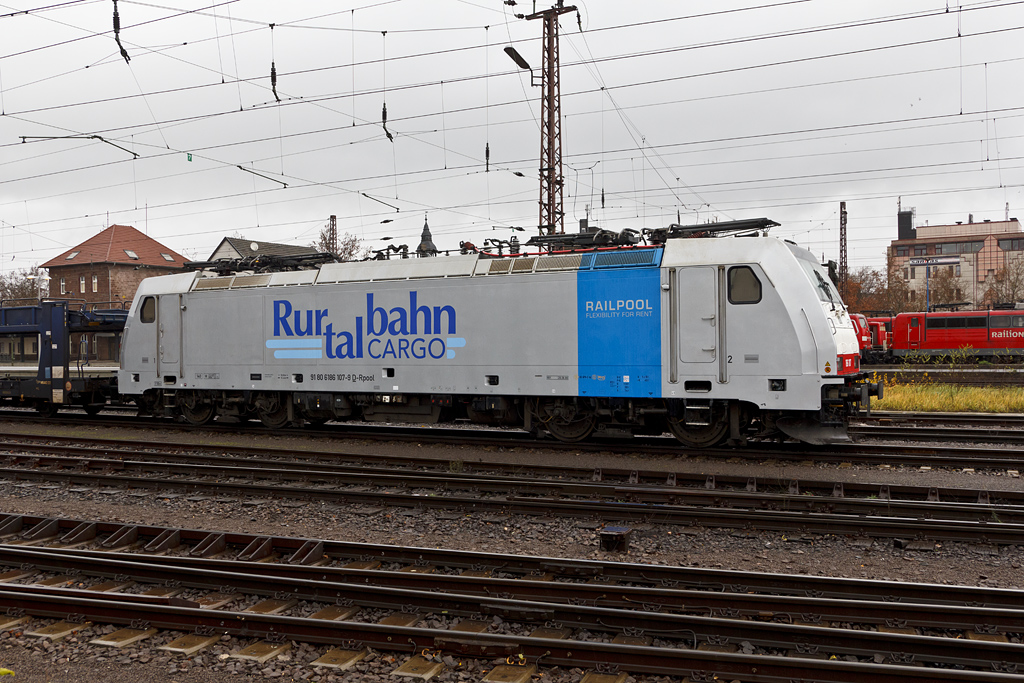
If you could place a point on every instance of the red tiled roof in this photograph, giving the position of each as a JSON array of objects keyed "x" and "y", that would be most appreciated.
[{"x": 109, "y": 247}]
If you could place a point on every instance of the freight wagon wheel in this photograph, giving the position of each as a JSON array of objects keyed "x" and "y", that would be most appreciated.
[
  {"x": 47, "y": 409},
  {"x": 700, "y": 436},
  {"x": 565, "y": 421},
  {"x": 148, "y": 403},
  {"x": 92, "y": 404}
]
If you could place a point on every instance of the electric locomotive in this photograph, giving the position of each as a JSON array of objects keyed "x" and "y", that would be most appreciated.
[
  {"x": 971, "y": 335},
  {"x": 712, "y": 339}
]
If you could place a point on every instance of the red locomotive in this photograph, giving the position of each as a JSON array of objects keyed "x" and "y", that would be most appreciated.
[
  {"x": 863, "y": 331},
  {"x": 982, "y": 334}
]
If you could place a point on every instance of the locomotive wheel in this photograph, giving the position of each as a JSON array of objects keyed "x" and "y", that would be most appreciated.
[
  {"x": 565, "y": 421},
  {"x": 198, "y": 414},
  {"x": 702, "y": 436},
  {"x": 274, "y": 419},
  {"x": 272, "y": 413},
  {"x": 92, "y": 409}
]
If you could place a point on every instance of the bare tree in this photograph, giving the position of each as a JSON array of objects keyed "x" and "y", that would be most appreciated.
[
  {"x": 878, "y": 289},
  {"x": 865, "y": 289},
  {"x": 25, "y": 283},
  {"x": 897, "y": 289},
  {"x": 1009, "y": 284},
  {"x": 944, "y": 287},
  {"x": 349, "y": 248}
]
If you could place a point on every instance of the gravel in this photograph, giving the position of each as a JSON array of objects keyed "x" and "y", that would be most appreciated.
[{"x": 72, "y": 659}]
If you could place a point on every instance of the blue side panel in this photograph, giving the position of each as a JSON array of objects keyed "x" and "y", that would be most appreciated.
[{"x": 619, "y": 319}]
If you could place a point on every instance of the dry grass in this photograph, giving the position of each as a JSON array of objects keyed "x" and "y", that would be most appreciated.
[{"x": 951, "y": 398}]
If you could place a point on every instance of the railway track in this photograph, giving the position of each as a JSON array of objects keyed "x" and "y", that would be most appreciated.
[
  {"x": 541, "y": 612},
  {"x": 944, "y": 374},
  {"x": 1001, "y": 430},
  {"x": 784, "y": 505},
  {"x": 1002, "y": 420}
]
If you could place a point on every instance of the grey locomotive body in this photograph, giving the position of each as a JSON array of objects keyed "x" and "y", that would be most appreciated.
[{"x": 711, "y": 339}]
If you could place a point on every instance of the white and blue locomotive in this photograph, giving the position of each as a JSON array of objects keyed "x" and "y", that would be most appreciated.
[{"x": 711, "y": 339}]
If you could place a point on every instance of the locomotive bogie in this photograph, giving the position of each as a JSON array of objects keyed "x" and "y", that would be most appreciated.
[{"x": 713, "y": 340}]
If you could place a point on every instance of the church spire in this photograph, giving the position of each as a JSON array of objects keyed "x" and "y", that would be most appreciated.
[{"x": 426, "y": 247}]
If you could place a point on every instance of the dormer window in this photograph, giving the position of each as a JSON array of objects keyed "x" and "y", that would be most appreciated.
[
  {"x": 131, "y": 254},
  {"x": 71, "y": 255},
  {"x": 167, "y": 257}
]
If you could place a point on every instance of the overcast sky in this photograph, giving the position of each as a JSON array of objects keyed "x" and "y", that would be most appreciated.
[{"x": 698, "y": 109}]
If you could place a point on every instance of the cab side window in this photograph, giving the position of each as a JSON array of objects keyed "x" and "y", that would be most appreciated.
[
  {"x": 744, "y": 287},
  {"x": 147, "y": 312}
]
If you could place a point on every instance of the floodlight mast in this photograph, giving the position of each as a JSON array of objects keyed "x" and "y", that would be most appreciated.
[{"x": 552, "y": 215}]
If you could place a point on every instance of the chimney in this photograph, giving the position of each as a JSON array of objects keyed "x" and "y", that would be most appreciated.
[{"x": 905, "y": 225}]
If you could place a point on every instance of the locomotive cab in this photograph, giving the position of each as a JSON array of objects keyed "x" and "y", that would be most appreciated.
[{"x": 759, "y": 343}]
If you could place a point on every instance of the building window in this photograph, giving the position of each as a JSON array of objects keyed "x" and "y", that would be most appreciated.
[
  {"x": 1011, "y": 245},
  {"x": 961, "y": 247},
  {"x": 71, "y": 256},
  {"x": 81, "y": 284},
  {"x": 913, "y": 273},
  {"x": 920, "y": 251},
  {"x": 95, "y": 283},
  {"x": 906, "y": 274},
  {"x": 63, "y": 290},
  {"x": 167, "y": 257},
  {"x": 912, "y": 293},
  {"x": 958, "y": 293},
  {"x": 131, "y": 254},
  {"x": 957, "y": 270},
  {"x": 902, "y": 251}
]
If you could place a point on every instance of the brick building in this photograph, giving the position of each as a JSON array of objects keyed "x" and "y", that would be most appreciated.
[
  {"x": 105, "y": 270},
  {"x": 108, "y": 267},
  {"x": 973, "y": 253}
]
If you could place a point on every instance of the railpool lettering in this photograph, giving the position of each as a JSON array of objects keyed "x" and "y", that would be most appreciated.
[
  {"x": 417, "y": 332},
  {"x": 620, "y": 305},
  {"x": 620, "y": 308}
]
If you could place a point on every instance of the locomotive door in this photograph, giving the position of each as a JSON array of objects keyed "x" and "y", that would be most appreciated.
[
  {"x": 696, "y": 323},
  {"x": 914, "y": 331},
  {"x": 169, "y": 334}
]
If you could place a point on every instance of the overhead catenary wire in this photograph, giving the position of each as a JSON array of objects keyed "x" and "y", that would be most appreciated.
[
  {"x": 753, "y": 138},
  {"x": 487, "y": 109},
  {"x": 629, "y": 85},
  {"x": 632, "y": 84}
]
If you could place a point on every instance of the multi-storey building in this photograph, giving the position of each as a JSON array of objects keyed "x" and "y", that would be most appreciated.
[{"x": 971, "y": 255}]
